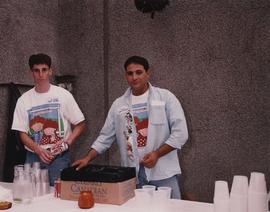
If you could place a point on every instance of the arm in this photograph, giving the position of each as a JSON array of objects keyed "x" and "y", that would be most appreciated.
[
  {"x": 150, "y": 159},
  {"x": 101, "y": 144},
  {"x": 78, "y": 129},
  {"x": 44, "y": 155},
  {"x": 84, "y": 161},
  {"x": 178, "y": 132}
]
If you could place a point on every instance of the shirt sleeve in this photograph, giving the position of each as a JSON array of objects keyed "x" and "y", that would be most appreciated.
[
  {"x": 72, "y": 110},
  {"x": 20, "y": 119},
  {"x": 107, "y": 134},
  {"x": 177, "y": 122}
]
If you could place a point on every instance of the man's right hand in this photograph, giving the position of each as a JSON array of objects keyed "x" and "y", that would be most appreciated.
[
  {"x": 84, "y": 161},
  {"x": 44, "y": 155},
  {"x": 80, "y": 163}
]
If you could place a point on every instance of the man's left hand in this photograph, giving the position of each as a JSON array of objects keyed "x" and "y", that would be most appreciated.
[
  {"x": 150, "y": 159},
  {"x": 59, "y": 147}
]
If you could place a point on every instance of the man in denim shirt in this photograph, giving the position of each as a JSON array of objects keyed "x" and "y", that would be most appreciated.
[{"x": 149, "y": 126}]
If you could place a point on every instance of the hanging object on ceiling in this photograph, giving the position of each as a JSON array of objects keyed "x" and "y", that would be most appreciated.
[{"x": 151, "y": 6}]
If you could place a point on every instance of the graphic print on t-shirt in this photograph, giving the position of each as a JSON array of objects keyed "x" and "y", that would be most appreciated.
[
  {"x": 45, "y": 125},
  {"x": 141, "y": 122}
]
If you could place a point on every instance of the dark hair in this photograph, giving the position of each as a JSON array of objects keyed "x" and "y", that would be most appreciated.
[
  {"x": 40, "y": 58},
  {"x": 137, "y": 60}
]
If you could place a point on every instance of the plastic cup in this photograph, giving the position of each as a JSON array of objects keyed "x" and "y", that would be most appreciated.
[
  {"x": 257, "y": 202},
  {"x": 160, "y": 200},
  {"x": 149, "y": 188},
  {"x": 142, "y": 198},
  {"x": 238, "y": 203},
  {"x": 257, "y": 182},
  {"x": 168, "y": 190},
  {"x": 221, "y": 205},
  {"x": 240, "y": 185},
  {"x": 221, "y": 190}
]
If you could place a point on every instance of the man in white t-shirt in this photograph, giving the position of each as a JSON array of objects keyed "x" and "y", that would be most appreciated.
[
  {"x": 44, "y": 116},
  {"x": 149, "y": 126}
]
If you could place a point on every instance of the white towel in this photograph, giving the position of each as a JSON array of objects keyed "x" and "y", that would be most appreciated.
[{"x": 5, "y": 194}]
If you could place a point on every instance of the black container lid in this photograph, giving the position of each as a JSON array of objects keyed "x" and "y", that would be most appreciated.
[{"x": 98, "y": 173}]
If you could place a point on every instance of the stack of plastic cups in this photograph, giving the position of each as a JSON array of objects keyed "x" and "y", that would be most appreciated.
[
  {"x": 221, "y": 197},
  {"x": 257, "y": 193},
  {"x": 41, "y": 179},
  {"x": 44, "y": 179},
  {"x": 36, "y": 178},
  {"x": 239, "y": 194}
]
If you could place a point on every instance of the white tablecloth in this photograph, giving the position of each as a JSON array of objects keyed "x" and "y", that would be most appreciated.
[{"x": 49, "y": 203}]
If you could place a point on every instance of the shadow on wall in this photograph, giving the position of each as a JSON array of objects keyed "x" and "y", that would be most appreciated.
[{"x": 14, "y": 152}]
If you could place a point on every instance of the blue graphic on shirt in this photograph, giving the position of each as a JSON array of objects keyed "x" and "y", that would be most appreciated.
[{"x": 45, "y": 124}]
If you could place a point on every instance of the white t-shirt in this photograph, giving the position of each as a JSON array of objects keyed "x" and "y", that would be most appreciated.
[
  {"x": 140, "y": 115},
  {"x": 46, "y": 117}
]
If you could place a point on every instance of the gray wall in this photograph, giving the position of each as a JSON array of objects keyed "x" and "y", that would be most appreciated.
[{"x": 213, "y": 55}]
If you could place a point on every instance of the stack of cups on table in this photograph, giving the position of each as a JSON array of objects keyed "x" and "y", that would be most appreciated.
[
  {"x": 238, "y": 195},
  {"x": 257, "y": 193},
  {"x": 29, "y": 181},
  {"x": 151, "y": 198},
  {"x": 221, "y": 197},
  {"x": 244, "y": 197},
  {"x": 40, "y": 180}
]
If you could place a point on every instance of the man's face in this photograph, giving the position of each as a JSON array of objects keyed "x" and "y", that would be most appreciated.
[
  {"x": 137, "y": 78},
  {"x": 41, "y": 73}
]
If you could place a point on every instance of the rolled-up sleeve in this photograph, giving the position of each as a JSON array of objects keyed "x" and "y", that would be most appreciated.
[
  {"x": 177, "y": 122},
  {"x": 107, "y": 134}
]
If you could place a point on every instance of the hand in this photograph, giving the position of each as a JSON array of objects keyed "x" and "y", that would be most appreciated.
[
  {"x": 84, "y": 161},
  {"x": 59, "y": 147},
  {"x": 44, "y": 155},
  {"x": 150, "y": 159},
  {"x": 80, "y": 163}
]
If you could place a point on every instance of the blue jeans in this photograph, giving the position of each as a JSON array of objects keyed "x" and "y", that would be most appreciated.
[
  {"x": 60, "y": 162},
  {"x": 170, "y": 182}
]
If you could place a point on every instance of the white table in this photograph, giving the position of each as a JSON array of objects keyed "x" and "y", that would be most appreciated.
[{"x": 49, "y": 203}]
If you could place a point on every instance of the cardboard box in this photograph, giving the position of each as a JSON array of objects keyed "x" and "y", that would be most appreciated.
[
  {"x": 108, "y": 193},
  {"x": 109, "y": 184}
]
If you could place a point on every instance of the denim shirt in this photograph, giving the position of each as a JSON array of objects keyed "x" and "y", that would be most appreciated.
[{"x": 167, "y": 124}]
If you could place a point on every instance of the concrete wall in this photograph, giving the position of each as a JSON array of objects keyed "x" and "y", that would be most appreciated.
[
  {"x": 27, "y": 27},
  {"x": 213, "y": 55}
]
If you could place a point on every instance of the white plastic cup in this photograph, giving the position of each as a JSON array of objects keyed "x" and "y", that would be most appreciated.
[
  {"x": 257, "y": 202},
  {"x": 44, "y": 177},
  {"x": 221, "y": 190},
  {"x": 240, "y": 185},
  {"x": 221, "y": 205},
  {"x": 257, "y": 182},
  {"x": 27, "y": 167},
  {"x": 160, "y": 200},
  {"x": 168, "y": 190},
  {"x": 221, "y": 197},
  {"x": 149, "y": 188},
  {"x": 142, "y": 198},
  {"x": 238, "y": 203},
  {"x": 36, "y": 165}
]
